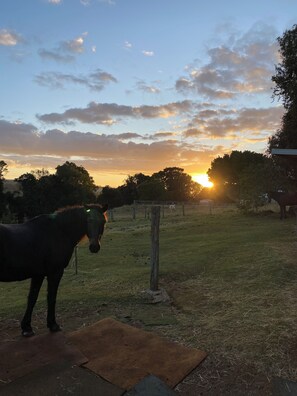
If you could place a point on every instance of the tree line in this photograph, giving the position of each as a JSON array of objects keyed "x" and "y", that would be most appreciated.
[
  {"x": 242, "y": 177},
  {"x": 41, "y": 192},
  {"x": 239, "y": 176}
]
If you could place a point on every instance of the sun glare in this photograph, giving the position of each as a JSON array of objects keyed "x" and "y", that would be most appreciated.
[{"x": 202, "y": 179}]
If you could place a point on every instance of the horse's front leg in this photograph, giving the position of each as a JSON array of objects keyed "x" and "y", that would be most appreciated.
[
  {"x": 36, "y": 283},
  {"x": 53, "y": 281}
]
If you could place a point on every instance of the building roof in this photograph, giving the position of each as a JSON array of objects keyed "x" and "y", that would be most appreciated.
[{"x": 289, "y": 152}]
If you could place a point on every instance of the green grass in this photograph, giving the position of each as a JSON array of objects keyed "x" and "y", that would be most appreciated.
[{"x": 232, "y": 280}]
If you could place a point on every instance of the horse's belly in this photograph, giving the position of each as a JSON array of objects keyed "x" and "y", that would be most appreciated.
[
  {"x": 17, "y": 267},
  {"x": 13, "y": 276}
]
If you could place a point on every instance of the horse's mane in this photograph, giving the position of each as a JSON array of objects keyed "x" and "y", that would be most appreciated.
[
  {"x": 70, "y": 207},
  {"x": 67, "y": 211}
]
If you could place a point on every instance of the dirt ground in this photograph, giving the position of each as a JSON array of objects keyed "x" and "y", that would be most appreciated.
[{"x": 215, "y": 376}]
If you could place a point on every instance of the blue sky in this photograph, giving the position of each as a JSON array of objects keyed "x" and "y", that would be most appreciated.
[{"x": 128, "y": 86}]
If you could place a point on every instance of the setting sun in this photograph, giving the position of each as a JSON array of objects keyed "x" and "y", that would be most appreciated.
[{"x": 202, "y": 179}]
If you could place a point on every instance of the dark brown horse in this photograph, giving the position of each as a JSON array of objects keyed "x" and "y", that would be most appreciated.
[
  {"x": 42, "y": 247},
  {"x": 283, "y": 199}
]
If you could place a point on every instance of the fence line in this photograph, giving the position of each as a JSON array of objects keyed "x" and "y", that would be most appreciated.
[{"x": 142, "y": 209}]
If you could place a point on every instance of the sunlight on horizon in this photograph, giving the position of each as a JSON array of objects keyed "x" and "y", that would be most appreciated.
[{"x": 202, "y": 178}]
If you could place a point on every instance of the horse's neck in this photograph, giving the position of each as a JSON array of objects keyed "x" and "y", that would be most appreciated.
[
  {"x": 73, "y": 222},
  {"x": 276, "y": 195}
]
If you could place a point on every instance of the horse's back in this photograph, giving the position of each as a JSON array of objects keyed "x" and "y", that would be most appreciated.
[
  {"x": 288, "y": 199},
  {"x": 27, "y": 249}
]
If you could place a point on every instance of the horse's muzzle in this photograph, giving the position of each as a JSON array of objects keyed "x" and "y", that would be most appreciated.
[{"x": 94, "y": 247}]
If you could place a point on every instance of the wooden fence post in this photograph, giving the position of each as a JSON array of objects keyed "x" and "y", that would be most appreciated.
[
  {"x": 134, "y": 211},
  {"x": 75, "y": 259},
  {"x": 155, "y": 225},
  {"x": 110, "y": 214}
]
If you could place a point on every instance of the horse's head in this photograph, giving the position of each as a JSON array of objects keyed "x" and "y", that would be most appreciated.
[{"x": 96, "y": 219}]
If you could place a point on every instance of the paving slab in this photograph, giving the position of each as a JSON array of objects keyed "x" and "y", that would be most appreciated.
[
  {"x": 124, "y": 355},
  {"x": 151, "y": 386},
  {"x": 283, "y": 387},
  {"x": 25, "y": 355},
  {"x": 60, "y": 379}
]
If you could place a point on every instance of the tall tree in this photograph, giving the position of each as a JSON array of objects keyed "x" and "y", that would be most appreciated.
[
  {"x": 43, "y": 193},
  {"x": 112, "y": 196},
  {"x": 285, "y": 76},
  {"x": 285, "y": 80},
  {"x": 3, "y": 170},
  {"x": 75, "y": 184},
  {"x": 255, "y": 181},
  {"x": 179, "y": 186},
  {"x": 129, "y": 190},
  {"x": 30, "y": 202},
  {"x": 152, "y": 190},
  {"x": 225, "y": 172}
]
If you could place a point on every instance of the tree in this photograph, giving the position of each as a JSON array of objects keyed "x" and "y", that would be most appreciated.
[
  {"x": 48, "y": 192},
  {"x": 3, "y": 170},
  {"x": 39, "y": 173},
  {"x": 151, "y": 190},
  {"x": 226, "y": 172},
  {"x": 112, "y": 196},
  {"x": 129, "y": 188},
  {"x": 178, "y": 185},
  {"x": 285, "y": 80},
  {"x": 255, "y": 181},
  {"x": 44, "y": 193},
  {"x": 285, "y": 76},
  {"x": 29, "y": 205},
  {"x": 75, "y": 185}
]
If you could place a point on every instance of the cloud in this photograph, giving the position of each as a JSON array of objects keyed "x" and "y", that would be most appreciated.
[
  {"x": 109, "y": 113},
  {"x": 54, "y": 1},
  {"x": 66, "y": 50},
  {"x": 55, "y": 55},
  {"x": 95, "y": 81},
  {"x": 74, "y": 46},
  {"x": 152, "y": 89},
  {"x": 223, "y": 123},
  {"x": 128, "y": 136},
  {"x": 110, "y": 2},
  {"x": 9, "y": 38},
  {"x": 192, "y": 132},
  {"x": 127, "y": 44},
  {"x": 243, "y": 64},
  {"x": 158, "y": 135},
  {"x": 26, "y": 144},
  {"x": 148, "y": 53},
  {"x": 131, "y": 152}
]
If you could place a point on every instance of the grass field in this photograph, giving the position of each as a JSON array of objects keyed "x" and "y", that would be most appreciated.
[{"x": 232, "y": 280}]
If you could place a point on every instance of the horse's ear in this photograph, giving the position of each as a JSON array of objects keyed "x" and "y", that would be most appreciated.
[{"x": 104, "y": 208}]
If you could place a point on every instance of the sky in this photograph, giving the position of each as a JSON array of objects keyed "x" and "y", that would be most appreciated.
[{"x": 128, "y": 86}]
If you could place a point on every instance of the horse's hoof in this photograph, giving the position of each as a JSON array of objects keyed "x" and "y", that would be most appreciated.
[
  {"x": 28, "y": 333},
  {"x": 55, "y": 328}
]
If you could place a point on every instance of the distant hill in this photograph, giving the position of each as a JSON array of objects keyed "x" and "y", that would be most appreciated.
[{"x": 11, "y": 186}]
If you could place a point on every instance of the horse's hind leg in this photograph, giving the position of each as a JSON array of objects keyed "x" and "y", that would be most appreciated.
[
  {"x": 283, "y": 213},
  {"x": 53, "y": 281},
  {"x": 36, "y": 283}
]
